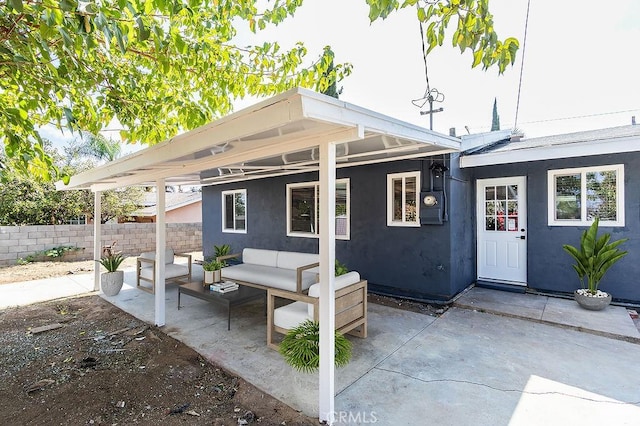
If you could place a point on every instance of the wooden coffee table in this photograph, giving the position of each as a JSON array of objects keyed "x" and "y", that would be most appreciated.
[{"x": 244, "y": 294}]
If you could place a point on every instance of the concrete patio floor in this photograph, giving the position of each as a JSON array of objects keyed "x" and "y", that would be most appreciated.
[{"x": 494, "y": 358}]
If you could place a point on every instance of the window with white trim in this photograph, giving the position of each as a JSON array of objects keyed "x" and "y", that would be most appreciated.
[
  {"x": 402, "y": 199},
  {"x": 303, "y": 209},
  {"x": 78, "y": 220},
  {"x": 234, "y": 211},
  {"x": 577, "y": 196}
]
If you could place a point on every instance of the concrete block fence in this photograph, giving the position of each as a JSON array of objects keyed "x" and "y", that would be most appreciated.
[{"x": 133, "y": 238}]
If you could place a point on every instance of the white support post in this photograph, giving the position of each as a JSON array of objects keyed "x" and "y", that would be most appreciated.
[
  {"x": 97, "y": 238},
  {"x": 327, "y": 252},
  {"x": 161, "y": 242}
]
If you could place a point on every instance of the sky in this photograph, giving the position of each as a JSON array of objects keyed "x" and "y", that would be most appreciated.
[{"x": 581, "y": 59}]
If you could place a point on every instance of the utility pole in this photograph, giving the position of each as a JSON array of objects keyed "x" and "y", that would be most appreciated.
[{"x": 431, "y": 111}]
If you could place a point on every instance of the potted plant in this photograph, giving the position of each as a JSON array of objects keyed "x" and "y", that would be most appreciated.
[
  {"x": 112, "y": 280},
  {"x": 593, "y": 260},
  {"x": 212, "y": 271}
]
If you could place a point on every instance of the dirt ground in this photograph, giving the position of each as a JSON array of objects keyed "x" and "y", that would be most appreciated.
[
  {"x": 38, "y": 270},
  {"x": 102, "y": 366}
]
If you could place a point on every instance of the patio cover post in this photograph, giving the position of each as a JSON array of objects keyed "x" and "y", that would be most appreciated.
[
  {"x": 161, "y": 237},
  {"x": 97, "y": 238},
  {"x": 327, "y": 252}
]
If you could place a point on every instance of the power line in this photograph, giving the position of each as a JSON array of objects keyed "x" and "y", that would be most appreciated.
[
  {"x": 524, "y": 46},
  {"x": 581, "y": 116}
]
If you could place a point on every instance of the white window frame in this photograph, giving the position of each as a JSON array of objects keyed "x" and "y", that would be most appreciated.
[
  {"x": 551, "y": 192},
  {"x": 78, "y": 220},
  {"x": 224, "y": 212},
  {"x": 403, "y": 222},
  {"x": 316, "y": 186}
]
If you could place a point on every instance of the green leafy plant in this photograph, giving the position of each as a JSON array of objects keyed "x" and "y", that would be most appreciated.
[
  {"x": 112, "y": 261},
  {"x": 595, "y": 256},
  {"x": 213, "y": 265},
  {"x": 300, "y": 347},
  {"x": 220, "y": 251},
  {"x": 54, "y": 253},
  {"x": 341, "y": 268}
]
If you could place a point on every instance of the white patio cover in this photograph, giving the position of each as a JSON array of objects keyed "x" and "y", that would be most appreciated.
[{"x": 295, "y": 132}]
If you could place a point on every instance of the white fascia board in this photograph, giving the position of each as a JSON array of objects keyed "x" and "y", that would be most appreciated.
[
  {"x": 333, "y": 111},
  {"x": 480, "y": 139},
  {"x": 578, "y": 149}
]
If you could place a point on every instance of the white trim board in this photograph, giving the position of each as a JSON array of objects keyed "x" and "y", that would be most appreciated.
[{"x": 578, "y": 149}]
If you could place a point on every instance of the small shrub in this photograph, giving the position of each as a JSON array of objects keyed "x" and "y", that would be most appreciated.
[
  {"x": 54, "y": 253},
  {"x": 300, "y": 347}
]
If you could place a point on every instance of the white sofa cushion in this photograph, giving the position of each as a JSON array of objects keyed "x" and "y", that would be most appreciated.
[
  {"x": 293, "y": 260},
  {"x": 291, "y": 315},
  {"x": 284, "y": 279},
  {"x": 340, "y": 282},
  {"x": 170, "y": 271},
  {"x": 151, "y": 255},
  {"x": 260, "y": 257}
]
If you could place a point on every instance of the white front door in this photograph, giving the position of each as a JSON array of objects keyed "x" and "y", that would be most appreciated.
[{"x": 502, "y": 230}]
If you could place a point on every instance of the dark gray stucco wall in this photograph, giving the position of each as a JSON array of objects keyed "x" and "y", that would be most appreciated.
[
  {"x": 548, "y": 266},
  {"x": 429, "y": 262},
  {"x": 463, "y": 226}
]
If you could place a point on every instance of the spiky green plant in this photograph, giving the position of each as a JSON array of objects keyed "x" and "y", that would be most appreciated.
[
  {"x": 220, "y": 251},
  {"x": 595, "y": 256},
  {"x": 300, "y": 347},
  {"x": 112, "y": 261},
  {"x": 341, "y": 268}
]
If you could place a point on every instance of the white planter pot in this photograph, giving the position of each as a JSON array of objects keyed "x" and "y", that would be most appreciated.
[
  {"x": 111, "y": 282},
  {"x": 208, "y": 277},
  {"x": 217, "y": 276}
]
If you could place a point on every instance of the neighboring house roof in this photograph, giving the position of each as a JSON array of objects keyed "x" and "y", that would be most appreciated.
[
  {"x": 174, "y": 200},
  {"x": 579, "y": 144}
]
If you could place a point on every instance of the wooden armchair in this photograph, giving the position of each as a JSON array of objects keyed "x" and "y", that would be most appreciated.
[
  {"x": 146, "y": 269},
  {"x": 350, "y": 305}
]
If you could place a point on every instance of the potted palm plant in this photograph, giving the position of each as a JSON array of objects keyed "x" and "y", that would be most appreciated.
[
  {"x": 593, "y": 259},
  {"x": 112, "y": 280}
]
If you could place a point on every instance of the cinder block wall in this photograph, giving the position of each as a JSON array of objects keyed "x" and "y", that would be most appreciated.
[{"x": 132, "y": 238}]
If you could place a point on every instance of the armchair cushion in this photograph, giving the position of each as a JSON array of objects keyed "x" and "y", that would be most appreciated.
[
  {"x": 151, "y": 255},
  {"x": 291, "y": 315}
]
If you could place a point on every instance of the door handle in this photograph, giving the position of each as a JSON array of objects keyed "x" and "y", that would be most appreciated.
[{"x": 521, "y": 237}]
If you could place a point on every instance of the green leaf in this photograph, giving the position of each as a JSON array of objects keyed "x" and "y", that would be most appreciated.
[
  {"x": 68, "y": 5},
  {"x": 143, "y": 31},
  {"x": 477, "y": 57},
  {"x": 16, "y": 5}
]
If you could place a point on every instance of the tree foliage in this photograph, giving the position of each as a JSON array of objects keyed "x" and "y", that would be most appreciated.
[
  {"x": 474, "y": 28},
  {"x": 157, "y": 66},
  {"x": 30, "y": 200}
]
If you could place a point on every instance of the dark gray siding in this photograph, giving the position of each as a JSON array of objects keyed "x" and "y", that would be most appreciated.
[
  {"x": 549, "y": 267},
  {"x": 429, "y": 262}
]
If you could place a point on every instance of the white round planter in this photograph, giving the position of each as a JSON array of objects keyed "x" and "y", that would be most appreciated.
[
  {"x": 208, "y": 277},
  {"x": 111, "y": 282},
  {"x": 592, "y": 302}
]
